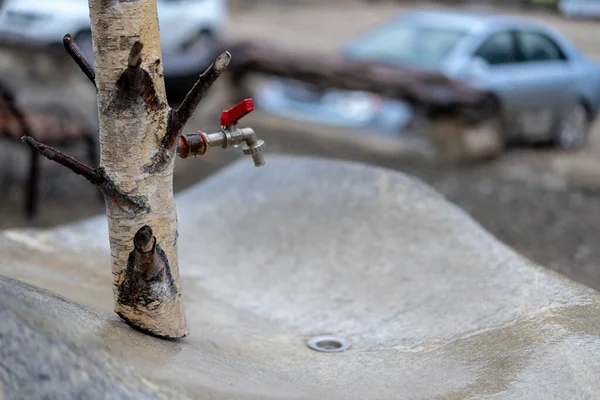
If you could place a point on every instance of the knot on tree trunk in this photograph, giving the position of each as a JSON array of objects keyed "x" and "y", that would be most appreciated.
[
  {"x": 134, "y": 88},
  {"x": 147, "y": 287}
]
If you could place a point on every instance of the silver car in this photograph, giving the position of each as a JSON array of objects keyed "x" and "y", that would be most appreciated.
[
  {"x": 547, "y": 89},
  {"x": 587, "y": 9}
]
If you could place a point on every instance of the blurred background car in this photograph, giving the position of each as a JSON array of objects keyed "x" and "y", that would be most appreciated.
[
  {"x": 548, "y": 91},
  {"x": 189, "y": 29},
  {"x": 588, "y": 9}
]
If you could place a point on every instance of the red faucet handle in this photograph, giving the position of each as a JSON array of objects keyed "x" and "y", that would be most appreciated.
[{"x": 234, "y": 114}]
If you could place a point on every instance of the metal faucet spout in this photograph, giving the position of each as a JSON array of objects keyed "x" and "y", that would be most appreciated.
[{"x": 254, "y": 146}]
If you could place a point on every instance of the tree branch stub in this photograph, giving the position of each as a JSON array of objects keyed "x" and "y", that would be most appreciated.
[
  {"x": 69, "y": 162},
  {"x": 77, "y": 55},
  {"x": 97, "y": 176},
  {"x": 134, "y": 73},
  {"x": 178, "y": 118},
  {"x": 147, "y": 286},
  {"x": 189, "y": 104}
]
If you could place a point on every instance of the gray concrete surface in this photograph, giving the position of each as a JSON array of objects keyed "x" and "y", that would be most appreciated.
[
  {"x": 433, "y": 305},
  {"x": 44, "y": 353}
]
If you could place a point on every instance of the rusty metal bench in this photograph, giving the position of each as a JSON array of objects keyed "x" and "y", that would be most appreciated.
[{"x": 48, "y": 126}]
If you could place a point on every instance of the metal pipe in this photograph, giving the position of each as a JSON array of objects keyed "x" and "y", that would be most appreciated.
[{"x": 217, "y": 140}]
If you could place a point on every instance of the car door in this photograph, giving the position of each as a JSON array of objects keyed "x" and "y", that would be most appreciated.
[
  {"x": 531, "y": 75},
  {"x": 493, "y": 66},
  {"x": 547, "y": 82}
]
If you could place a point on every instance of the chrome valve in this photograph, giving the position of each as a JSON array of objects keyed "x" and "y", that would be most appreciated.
[{"x": 198, "y": 142}]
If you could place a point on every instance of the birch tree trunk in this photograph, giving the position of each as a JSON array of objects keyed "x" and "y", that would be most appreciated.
[
  {"x": 133, "y": 119},
  {"x": 139, "y": 137}
]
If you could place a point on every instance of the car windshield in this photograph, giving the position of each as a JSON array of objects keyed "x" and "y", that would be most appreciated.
[{"x": 406, "y": 43}]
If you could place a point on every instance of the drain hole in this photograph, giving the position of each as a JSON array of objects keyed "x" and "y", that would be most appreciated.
[{"x": 328, "y": 344}]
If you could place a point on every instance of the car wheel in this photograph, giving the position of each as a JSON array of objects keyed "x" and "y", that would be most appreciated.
[
  {"x": 202, "y": 45},
  {"x": 573, "y": 129},
  {"x": 85, "y": 43}
]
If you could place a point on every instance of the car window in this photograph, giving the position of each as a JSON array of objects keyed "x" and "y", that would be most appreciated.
[
  {"x": 537, "y": 47},
  {"x": 498, "y": 49},
  {"x": 406, "y": 43}
]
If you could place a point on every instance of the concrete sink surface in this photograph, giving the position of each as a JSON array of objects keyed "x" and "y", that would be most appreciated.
[{"x": 433, "y": 306}]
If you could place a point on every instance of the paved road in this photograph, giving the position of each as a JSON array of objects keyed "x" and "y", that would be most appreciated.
[{"x": 325, "y": 27}]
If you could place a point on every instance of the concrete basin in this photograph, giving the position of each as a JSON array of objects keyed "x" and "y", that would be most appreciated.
[{"x": 431, "y": 305}]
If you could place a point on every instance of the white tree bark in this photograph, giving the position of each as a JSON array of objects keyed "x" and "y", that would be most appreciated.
[
  {"x": 132, "y": 124},
  {"x": 138, "y": 144}
]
